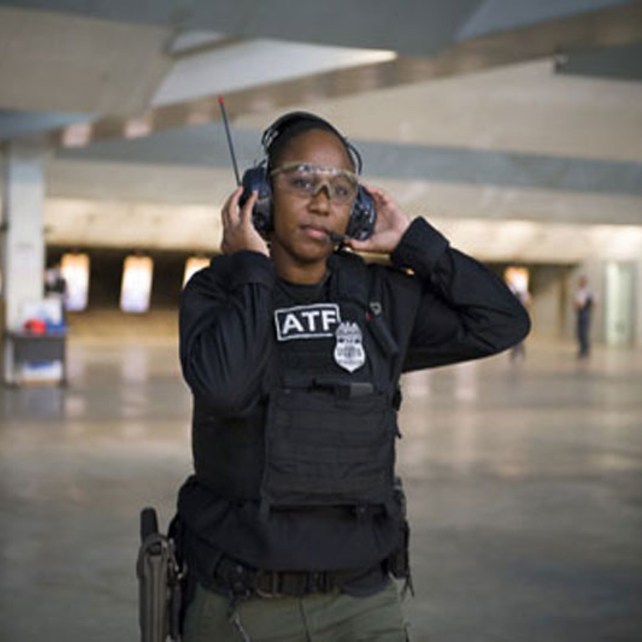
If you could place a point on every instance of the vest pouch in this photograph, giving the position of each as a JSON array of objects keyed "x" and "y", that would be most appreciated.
[{"x": 324, "y": 450}]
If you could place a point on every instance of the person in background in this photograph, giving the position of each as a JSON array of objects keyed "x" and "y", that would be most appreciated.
[
  {"x": 584, "y": 302},
  {"x": 55, "y": 282},
  {"x": 522, "y": 294},
  {"x": 56, "y": 288}
]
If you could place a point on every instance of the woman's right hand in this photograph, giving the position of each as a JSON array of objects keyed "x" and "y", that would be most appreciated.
[{"x": 238, "y": 231}]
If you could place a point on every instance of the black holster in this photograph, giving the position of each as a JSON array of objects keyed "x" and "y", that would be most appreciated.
[
  {"x": 160, "y": 580},
  {"x": 399, "y": 560}
]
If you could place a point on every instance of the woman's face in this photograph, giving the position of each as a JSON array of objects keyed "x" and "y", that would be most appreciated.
[{"x": 303, "y": 222}]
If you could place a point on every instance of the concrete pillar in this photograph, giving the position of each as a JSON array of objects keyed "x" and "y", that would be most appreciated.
[
  {"x": 550, "y": 300},
  {"x": 23, "y": 248}
]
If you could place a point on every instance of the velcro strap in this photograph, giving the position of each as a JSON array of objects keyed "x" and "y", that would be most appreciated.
[
  {"x": 344, "y": 390},
  {"x": 341, "y": 389}
]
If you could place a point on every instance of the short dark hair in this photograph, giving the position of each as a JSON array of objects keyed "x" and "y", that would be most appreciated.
[{"x": 278, "y": 136}]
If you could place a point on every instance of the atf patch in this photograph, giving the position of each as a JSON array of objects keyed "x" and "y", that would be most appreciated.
[
  {"x": 307, "y": 321},
  {"x": 349, "y": 352}
]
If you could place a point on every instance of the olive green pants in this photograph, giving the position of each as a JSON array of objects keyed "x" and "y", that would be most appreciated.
[{"x": 329, "y": 617}]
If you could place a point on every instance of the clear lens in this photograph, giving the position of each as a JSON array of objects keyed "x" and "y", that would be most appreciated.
[{"x": 306, "y": 180}]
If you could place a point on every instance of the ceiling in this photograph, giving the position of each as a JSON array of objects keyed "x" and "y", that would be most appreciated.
[{"x": 482, "y": 112}]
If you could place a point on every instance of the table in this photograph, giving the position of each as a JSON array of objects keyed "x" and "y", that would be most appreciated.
[{"x": 21, "y": 348}]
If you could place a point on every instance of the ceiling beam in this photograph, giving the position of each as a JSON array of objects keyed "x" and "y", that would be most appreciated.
[{"x": 614, "y": 26}]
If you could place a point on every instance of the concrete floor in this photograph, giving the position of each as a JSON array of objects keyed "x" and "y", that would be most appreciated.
[{"x": 524, "y": 483}]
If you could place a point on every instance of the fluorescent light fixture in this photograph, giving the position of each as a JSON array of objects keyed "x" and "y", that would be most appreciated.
[
  {"x": 192, "y": 265},
  {"x": 517, "y": 278},
  {"x": 75, "y": 270},
  {"x": 136, "y": 285}
]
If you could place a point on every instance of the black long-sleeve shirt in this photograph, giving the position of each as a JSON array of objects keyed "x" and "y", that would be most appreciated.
[{"x": 449, "y": 309}]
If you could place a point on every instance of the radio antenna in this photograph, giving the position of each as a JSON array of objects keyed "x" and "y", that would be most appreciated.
[{"x": 229, "y": 139}]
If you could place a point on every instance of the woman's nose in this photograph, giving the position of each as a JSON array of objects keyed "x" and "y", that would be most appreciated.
[{"x": 320, "y": 200}]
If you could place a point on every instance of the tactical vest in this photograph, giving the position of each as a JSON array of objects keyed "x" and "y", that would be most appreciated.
[{"x": 330, "y": 423}]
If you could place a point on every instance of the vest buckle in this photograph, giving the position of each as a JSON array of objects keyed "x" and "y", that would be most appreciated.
[{"x": 267, "y": 584}]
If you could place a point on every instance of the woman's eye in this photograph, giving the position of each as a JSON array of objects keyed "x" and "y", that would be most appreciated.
[
  {"x": 300, "y": 183},
  {"x": 343, "y": 190}
]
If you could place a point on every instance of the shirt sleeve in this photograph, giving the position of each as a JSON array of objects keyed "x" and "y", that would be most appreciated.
[
  {"x": 224, "y": 329},
  {"x": 466, "y": 311}
]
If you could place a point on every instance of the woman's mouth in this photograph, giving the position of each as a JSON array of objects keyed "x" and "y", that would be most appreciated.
[{"x": 319, "y": 233}]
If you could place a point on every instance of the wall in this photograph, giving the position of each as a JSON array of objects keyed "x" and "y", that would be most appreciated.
[{"x": 550, "y": 294}]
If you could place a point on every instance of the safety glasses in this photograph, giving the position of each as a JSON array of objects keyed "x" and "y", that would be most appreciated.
[{"x": 305, "y": 180}]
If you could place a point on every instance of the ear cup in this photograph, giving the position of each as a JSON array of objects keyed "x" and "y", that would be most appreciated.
[
  {"x": 255, "y": 179},
  {"x": 363, "y": 216}
]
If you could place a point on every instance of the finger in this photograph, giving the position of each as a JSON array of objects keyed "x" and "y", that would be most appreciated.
[
  {"x": 232, "y": 197},
  {"x": 375, "y": 191},
  {"x": 381, "y": 200},
  {"x": 386, "y": 206},
  {"x": 358, "y": 246},
  {"x": 245, "y": 214},
  {"x": 230, "y": 209},
  {"x": 225, "y": 211},
  {"x": 234, "y": 204}
]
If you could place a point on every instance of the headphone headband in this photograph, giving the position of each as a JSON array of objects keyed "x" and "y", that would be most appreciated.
[{"x": 294, "y": 119}]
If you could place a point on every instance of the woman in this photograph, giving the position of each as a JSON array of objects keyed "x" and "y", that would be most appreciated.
[{"x": 293, "y": 348}]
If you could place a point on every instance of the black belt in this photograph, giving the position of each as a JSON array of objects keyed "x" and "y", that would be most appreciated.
[{"x": 242, "y": 581}]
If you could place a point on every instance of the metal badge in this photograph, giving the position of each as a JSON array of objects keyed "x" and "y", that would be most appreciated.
[{"x": 348, "y": 351}]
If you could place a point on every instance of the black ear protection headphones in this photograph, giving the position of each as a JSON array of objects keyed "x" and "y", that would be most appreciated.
[{"x": 257, "y": 179}]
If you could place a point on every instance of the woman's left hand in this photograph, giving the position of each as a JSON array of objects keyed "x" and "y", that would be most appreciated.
[{"x": 389, "y": 228}]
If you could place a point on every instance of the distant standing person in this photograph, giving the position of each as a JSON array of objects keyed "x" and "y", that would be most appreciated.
[
  {"x": 55, "y": 282},
  {"x": 523, "y": 296},
  {"x": 584, "y": 304}
]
